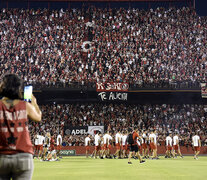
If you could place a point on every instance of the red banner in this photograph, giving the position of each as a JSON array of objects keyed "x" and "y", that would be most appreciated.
[{"x": 112, "y": 87}]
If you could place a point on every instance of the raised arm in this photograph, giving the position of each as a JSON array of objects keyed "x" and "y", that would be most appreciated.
[{"x": 33, "y": 110}]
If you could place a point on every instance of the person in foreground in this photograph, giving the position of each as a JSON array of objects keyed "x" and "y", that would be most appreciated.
[{"x": 16, "y": 149}]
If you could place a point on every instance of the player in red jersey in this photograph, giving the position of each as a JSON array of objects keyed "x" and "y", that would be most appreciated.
[
  {"x": 52, "y": 151},
  {"x": 133, "y": 146}
]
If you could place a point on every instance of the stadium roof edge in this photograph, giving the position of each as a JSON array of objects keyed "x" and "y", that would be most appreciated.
[{"x": 95, "y": 0}]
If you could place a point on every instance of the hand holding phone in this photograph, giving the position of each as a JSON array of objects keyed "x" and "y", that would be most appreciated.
[{"x": 28, "y": 93}]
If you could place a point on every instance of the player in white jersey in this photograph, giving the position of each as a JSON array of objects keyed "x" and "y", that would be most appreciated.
[
  {"x": 102, "y": 146},
  {"x": 169, "y": 147},
  {"x": 176, "y": 146},
  {"x": 59, "y": 141},
  {"x": 40, "y": 146},
  {"x": 106, "y": 141},
  {"x": 110, "y": 139},
  {"x": 36, "y": 144},
  {"x": 196, "y": 145},
  {"x": 144, "y": 144},
  {"x": 87, "y": 144},
  {"x": 153, "y": 144},
  {"x": 97, "y": 142},
  {"x": 118, "y": 144},
  {"x": 124, "y": 144}
]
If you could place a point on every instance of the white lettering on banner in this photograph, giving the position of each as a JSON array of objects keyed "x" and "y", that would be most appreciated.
[
  {"x": 100, "y": 86},
  {"x": 103, "y": 96},
  {"x": 112, "y": 86},
  {"x": 109, "y": 86},
  {"x": 78, "y": 132},
  {"x": 117, "y": 86},
  {"x": 113, "y": 96}
]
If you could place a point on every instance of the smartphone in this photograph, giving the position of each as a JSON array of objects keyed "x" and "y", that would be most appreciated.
[{"x": 28, "y": 93}]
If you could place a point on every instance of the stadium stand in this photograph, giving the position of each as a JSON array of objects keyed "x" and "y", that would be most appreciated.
[
  {"x": 184, "y": 119},
  {"x": 77, "y": 47}
]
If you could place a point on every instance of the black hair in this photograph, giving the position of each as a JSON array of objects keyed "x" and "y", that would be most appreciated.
[{"x": 11, "y": 86}]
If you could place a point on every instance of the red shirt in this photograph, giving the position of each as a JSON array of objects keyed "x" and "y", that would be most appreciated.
[
  {"x": 52, "y": 144},
  {"x": 135, "y": 136},
  {"x": 14, "y": 134}
]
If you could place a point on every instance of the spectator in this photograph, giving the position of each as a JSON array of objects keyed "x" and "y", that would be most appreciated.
[
  {"x": 166, "y": 118},
  {"x": 154, "y": 48}
]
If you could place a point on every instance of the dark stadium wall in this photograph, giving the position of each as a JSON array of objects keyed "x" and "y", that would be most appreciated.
[
  {"x": 201, "y": 7},
  {"x": 65, "y": 96},
  {"x": 65, "y": 4}
]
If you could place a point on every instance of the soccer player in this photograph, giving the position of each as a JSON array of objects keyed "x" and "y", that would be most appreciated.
[
  {"x": 169, "y": 146},
  {"x": 124, "y": 144},
  {"x": 59, "y": 141},
  {"x": 153, "y": 144},
  {"x": 144, "y": 144},
  {"x": 101, "y": 146},
  {"x": 106, "y": 139},
  {"x": 97, "y": 142},
  {"x": 176, "y": 145},
  {"x": 46, "y": 145},
  {"x": 110, "y": 139},
  {"x": 196, "y": 145},
  {"x": 87, "y": 143},
  {"x": 36, "y": 144},
  {"x": 118, "y": 144},
  {"x": 40, "y": 146},
  {"x": 133, "y": 146},
  {"x": 51, "y": 151}
]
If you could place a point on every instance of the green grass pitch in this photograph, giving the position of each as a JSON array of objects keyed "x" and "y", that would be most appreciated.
[{"x": 81, "y": 168}]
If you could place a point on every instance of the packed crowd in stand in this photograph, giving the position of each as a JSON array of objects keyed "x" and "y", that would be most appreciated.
[
  {"x": 184, "y": 119},
  {"x": 154, "y": 48}
]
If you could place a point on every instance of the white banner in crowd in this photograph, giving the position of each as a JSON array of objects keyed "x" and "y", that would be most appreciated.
[
  {"x": 204, "y": 90},
  {"x": 92, "y": 129}
]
